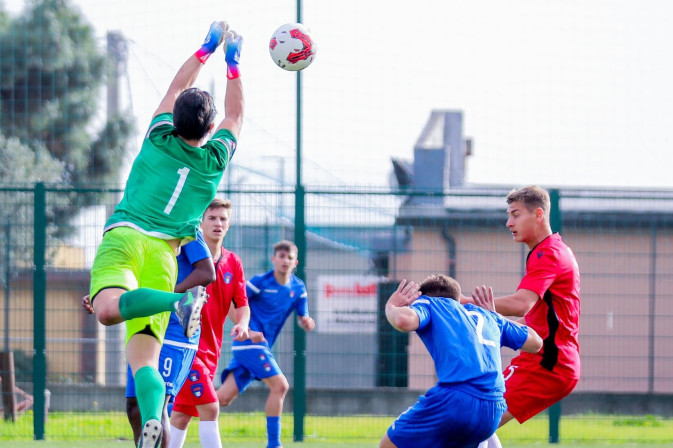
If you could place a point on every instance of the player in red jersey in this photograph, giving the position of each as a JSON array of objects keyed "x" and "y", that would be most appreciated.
[
  {"x": 198, "y": 398},
  {"x": 548, "y": 299}
]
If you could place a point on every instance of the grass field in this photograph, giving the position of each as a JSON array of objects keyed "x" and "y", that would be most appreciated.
[
  {"x": 306, "y": 444},
  {"x": 243, "y": 430}
]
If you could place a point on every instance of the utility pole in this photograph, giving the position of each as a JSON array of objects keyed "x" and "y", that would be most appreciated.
[{"x": 113, "y": 346}]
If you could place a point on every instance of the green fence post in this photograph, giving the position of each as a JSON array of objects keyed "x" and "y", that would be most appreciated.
[
  {"x": 554, "y": 420},
  {"x": 299, "y": 391},
  {"x": 556, "y": 221},
  {"x": 39, "y": 309},
  {"x": 299, "y": 387},
  {"x": 8, "y": 279}
]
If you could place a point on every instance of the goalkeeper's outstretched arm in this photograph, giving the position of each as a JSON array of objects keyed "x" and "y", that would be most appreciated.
[
  {"x": 233, "y": 100},
  {"x": 187, "y": 74}
]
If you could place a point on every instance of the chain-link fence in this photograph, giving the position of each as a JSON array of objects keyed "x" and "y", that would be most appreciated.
[{"x": 359, "y": 244}]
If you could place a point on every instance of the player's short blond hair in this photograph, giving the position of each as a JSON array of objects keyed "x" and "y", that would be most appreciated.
[{"x": 531, "y": 197}]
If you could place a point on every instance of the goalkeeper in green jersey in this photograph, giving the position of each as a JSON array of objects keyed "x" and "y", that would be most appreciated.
[{"x": 172, "y": 181}]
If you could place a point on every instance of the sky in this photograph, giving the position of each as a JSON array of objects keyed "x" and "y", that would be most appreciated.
[{"x": 572, "y": 93}]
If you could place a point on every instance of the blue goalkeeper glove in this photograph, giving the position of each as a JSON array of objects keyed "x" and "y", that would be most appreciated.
[
  {"x": 213, "y": 40},
  {"x": 232, "y": 53}
]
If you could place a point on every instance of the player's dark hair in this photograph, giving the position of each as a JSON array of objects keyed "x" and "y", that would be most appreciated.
[
  {"x": 532, "y": 197},
  {"x": 285, "y": 245},
  {"x": 440, "y": 286},
  {"x": 193, "y": 113}
]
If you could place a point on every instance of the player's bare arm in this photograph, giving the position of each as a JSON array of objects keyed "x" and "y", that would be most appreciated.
[
  {"x": 203, "y": 274},
  {"x": 187, "y": 74},
  {"x": 240, "y": 330},
  {"x": 233, "y": 98},
  {"x": 517, "y": 304},
  {"x": 306, "y": 323},
  {"x": 86, "y": 304},
  {"x": 534, "y": 342},
  {"x": 484, "y": 298},
  {"x": 256, "y": 336},
  {"x": 399, "y": 315}
]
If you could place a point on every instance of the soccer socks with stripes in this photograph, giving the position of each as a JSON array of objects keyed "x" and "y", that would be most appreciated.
[
  {"x": 143, "y": 302},
  {"x": 151, "y": 391},
  {"x": 178, "y": 437},
  {"x": 273, "y": 431},
  {"x": 209, "y": 434}
]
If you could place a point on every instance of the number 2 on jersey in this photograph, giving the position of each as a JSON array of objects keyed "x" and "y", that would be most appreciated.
[
  {"x": 480, "y": 329},
  {"x": 183, "y": 172}
]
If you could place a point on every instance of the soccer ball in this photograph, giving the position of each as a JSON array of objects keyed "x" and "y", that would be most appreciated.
[{"x": 292, "y": 48}]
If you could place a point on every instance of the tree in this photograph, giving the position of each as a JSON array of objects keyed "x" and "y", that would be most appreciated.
[
  {"x": 52, "y": 72},
  {"x": 51, "y": 75}
]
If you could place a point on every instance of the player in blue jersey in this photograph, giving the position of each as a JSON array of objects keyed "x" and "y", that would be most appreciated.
[
  {"x": 195, "y": 267},
  {"x": 272, "y": 297},
  {"x": 465, "y": 406}
]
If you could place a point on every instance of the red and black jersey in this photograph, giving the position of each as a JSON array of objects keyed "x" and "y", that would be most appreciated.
[{"x": 552, "y": 272}]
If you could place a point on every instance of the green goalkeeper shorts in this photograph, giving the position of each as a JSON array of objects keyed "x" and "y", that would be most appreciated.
[{"x": 129, "y": 259}]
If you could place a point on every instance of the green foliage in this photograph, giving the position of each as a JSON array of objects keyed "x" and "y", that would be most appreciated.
[
  {"x": 21, "y": 163},
  {"x": 52, "y": 75},
  {"x": 51, "y": 78}
]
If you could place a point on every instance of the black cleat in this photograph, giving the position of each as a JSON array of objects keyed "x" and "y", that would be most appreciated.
[
  {"x": 151, "y": 436},
  {"x": 189, "y": 309}
]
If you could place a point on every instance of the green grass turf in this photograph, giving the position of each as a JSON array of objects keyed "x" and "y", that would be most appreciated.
[
  {"x": 107, "y": 430},
  {"x": 306, "y": 444}
]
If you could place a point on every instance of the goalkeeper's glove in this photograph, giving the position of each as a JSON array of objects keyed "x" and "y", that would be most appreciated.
[
  {"x": 213, "y": 40},
  {"x": 232, "y": 52}
]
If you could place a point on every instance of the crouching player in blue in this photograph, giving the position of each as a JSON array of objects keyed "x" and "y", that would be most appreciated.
[{"x": 465, "y": 406}]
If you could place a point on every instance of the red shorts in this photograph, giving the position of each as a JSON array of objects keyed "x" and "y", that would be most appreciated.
[
  {"x": 530, "y": 388},
  {"x": 197, "y": 390}
]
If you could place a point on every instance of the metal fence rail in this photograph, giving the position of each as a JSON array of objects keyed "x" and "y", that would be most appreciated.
[{"x": 359, "y": 244}]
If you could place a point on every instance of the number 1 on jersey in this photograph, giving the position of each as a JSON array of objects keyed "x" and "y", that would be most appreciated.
[{"x": 183, "y": 172}]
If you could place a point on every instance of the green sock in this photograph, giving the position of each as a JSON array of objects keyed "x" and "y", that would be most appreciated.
[
  {"x": 151, "y": 391},
  {"x": 144, "y": 302}
]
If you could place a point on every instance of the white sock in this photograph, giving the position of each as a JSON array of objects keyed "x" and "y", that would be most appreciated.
[
  {"x": 178, "y": 437},
  {"x": 492, "y": 442},
  {"x": 209, "y": 434}
]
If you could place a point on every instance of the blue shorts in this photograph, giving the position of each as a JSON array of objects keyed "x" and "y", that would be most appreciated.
[
  {"x": 175, "y": 361},
  {"x": 447, "y": 417},
  {"x": 251, "y": 362}
]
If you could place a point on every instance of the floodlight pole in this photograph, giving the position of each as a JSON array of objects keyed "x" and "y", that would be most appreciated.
[{"x": 299, "y": 383}]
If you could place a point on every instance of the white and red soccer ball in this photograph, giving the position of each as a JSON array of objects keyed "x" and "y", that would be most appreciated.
[{"x": 292, "y": 48}]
